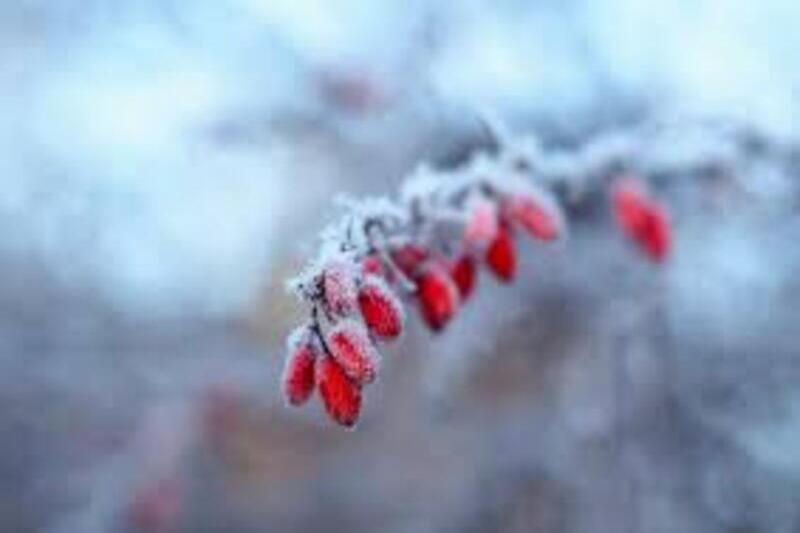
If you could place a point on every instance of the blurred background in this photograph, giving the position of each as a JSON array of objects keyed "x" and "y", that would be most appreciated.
[{"x": 165, "y": 165}]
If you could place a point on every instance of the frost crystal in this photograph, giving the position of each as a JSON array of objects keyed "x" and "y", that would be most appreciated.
[
  {"x": 351, "y": 347},
  {"x": 339, "y": 288},
  {"x": 482, "y": 224}
]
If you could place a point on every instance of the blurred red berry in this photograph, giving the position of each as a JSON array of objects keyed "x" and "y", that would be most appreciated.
[
  {"x": 372, "y": 264},
  {"x": 409, "y": 258},
  {"x": 538, "y": 216},
  {"x": 502, "y": 257},
  {"x": 298, "y": 374},
  {"x": 642, "y": 219},
  {"x": 482, "y": 224},
  {"x": 156, "y": 506},
  {"x": 464, "y": 272},
  {"x": 353, "y": 91},
  {"x": 380, "y": 308},
  {"x": 629, "y": 202},
  {"x": 340, "y": 395},
  {"x": 438, "y": 296},
  {"x": 351, "y": 347},
  {"x": 339, "y": 288},
  {"x": 655, "y": 238},
  {"x": 222, "y": 412}
]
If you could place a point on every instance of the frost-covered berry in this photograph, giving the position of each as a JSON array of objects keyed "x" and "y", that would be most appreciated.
[
  {"x": 298, "y": 372},
  {"x": 339, "y": 288},
  {"x": 538, "y": 215},
  {"x": 340, "y": 395},
  {"x": 482, "y": 224},
  {"x": 409, "y": 258},
  {"x": 351, "y": 347},
  {"x": 642, "y": 219},
  {"x": 382, "y": 311},
  {"x": 501, "y": 257},
  {"x": 438, "y": 296},
  {"x": 464, "y": 272}
]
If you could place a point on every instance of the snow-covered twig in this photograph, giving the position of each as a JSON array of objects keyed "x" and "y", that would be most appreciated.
[{"x": 426, "y": 246}]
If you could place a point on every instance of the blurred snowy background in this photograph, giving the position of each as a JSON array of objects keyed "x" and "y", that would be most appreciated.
[{"x": 165, "y": 164}]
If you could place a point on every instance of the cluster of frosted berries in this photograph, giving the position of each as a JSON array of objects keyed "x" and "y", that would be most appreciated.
[{"x": 425, "y": 251}]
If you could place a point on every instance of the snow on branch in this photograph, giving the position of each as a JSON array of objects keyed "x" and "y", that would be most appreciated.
[{"x": 426, "y": 247}]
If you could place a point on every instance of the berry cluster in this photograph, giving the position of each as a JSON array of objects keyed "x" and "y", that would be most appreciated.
[{"x": 425, "y": 250}]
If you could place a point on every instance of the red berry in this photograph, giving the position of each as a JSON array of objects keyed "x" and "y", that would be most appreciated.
[
  {"x": 298, "y": 373},
  {"x": 409, "y": 258},
  {"x": 380, "y": 308},
  {"x": 372, "y": 264},
  {"x": 501, "y": 256},
  {"x": 438, "y": 296},
  {"x": 642, "y": 219},
  {"x": 482, "y": 224},
  {"x": 629, "y": 203},
  {"x": 539, "y": 216},
  {"x": 464, "y": 272},
  {"x": 339, "y": 288},
  {"x": 656, "y": 235},
  {"x": 351, "y": 347},
  {"x": 340, "y": 395}
]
